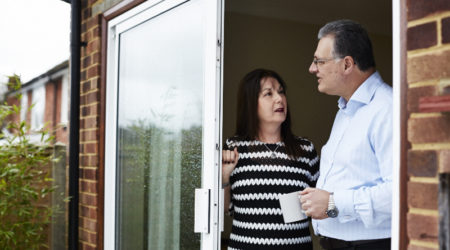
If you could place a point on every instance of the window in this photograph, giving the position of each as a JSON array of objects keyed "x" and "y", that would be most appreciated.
[{"x": 37, "y": 112}]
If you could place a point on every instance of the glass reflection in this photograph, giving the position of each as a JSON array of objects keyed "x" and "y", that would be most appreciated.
[{"x": 160, "y": 131}]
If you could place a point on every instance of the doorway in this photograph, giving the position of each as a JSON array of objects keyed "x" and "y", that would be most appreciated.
[{"x": 282, "y": 36}]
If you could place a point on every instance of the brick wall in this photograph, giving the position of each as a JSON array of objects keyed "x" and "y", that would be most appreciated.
[
  {"x": 12, "y": 100},
  {"x": 49, "y": 110},
  {"x": 61, "y": 133},
  {"x": 89, "y": 225},
  {"x": 428, "y": 73},
  {"x": 30, "y": 102}
]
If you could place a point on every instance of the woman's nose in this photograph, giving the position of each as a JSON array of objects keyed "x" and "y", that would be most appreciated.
[{"x": 278, "y": 97}]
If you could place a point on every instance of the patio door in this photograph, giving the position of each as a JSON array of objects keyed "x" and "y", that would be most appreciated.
[{"x": 163, "y": 126}]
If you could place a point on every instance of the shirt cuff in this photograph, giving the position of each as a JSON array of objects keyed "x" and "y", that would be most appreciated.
[{"x": 343, "y": 199}]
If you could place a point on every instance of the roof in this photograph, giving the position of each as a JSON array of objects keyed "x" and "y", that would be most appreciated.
[{"x": 47, "y": 76}]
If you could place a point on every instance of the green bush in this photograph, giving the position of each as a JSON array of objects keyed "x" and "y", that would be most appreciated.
[{"x": 25, "y": 186}]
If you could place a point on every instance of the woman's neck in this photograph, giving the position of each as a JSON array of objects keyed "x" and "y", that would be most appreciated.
[{"x": 270, "y": 134}]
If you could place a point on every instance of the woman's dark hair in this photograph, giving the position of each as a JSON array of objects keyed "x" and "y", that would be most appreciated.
[
  {"x": 247, "y": 121},
  {"x": 350, "y": 39}
]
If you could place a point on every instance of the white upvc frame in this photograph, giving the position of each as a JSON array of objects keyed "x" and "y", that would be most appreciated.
[
  {"x": 212, "y": 111},
  {"x": 396, "y": 145}
]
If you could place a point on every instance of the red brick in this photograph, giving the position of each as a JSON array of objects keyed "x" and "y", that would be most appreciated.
[
  {"x": 89, "y": 135},
  {"x": 90, "y": 148},
  {"x": 93, "y": 22},
  {"x": 88, "y": 237},
  {"x": 84, "y": 160},
  {"x": 422, "y": 36},
  {"x": 86, "y": 62},
  {"x": 85, "y": 111},
  {"x": 87, "y": 186},
  {"x": 83, "y": 27},
  {"x": 83, "y": 74},
  {"x": 429, "y": 129},
  {"x": 428, "y": 67},
  {"x": 423, "y": 195},
  {"x": 93, "y": 160},
  {"x": 49, "y": 104},
  {"x": 446, "y": 30},
  {"x": 423, "y": 227},
  {"x": 96, "y": 57},
  {"x": 414, "y": 95},
  {"x": 93, "y": 71},
  {"x": 96, "y": 31},
  {"x": 88, "y": 224},
  {"x": 95, "y": 83},
  {"x": 86, "y": 86},
  {"x": 91, "y": 110},
  {"x": 444, "y": 161},
  {"x": 92, "y": 46},
  {"x": 86, "y": 13},
  {"x": 89, "y": 174},
  {"x": 421, "y": 8},
  {"x": 92, "y": 97},
  {"x": 88, "y": 199},
  {"x": 434, "y": 104},
  {"x": 422, "y": 163},
  {"x": 90, "y": 122},
  {"x": 88, "y": 212},
  {"x": 89, "y": 160}
]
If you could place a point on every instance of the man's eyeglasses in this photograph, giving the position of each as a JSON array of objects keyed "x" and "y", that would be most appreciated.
[{"x": 321, "y": 61}]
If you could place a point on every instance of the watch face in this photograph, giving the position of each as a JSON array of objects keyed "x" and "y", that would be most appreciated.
[{"x": 332, "y": 213}]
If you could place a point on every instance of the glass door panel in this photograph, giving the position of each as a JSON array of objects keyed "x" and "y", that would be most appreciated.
[{"x": 159, "y": 130}]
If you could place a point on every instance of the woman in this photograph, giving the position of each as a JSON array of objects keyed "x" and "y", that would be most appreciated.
[{"x": 262, "y": 161}]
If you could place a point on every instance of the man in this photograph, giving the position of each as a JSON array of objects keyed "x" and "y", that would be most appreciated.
[{"x": 351, "y": 204}]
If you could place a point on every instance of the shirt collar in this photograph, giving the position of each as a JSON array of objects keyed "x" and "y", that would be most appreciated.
[{"x": 362, "y": 95}]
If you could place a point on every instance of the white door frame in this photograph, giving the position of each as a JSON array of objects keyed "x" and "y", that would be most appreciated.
[
  {"x": 396, "y": 84},
  {"x": 212, "y": 106},
  {"x": 213, "y": 125}
]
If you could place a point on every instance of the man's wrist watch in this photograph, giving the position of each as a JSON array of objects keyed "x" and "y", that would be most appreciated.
[{"x": 332, "y": 210}]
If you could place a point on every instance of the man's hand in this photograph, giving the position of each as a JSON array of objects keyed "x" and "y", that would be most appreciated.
[{"x": 315, "y": 202}]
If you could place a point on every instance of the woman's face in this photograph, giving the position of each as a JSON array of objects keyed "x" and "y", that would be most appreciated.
[{"x": 272, "y": 104}]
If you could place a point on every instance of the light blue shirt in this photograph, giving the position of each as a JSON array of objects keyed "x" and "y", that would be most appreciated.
[{"x": 356, "y": 164}]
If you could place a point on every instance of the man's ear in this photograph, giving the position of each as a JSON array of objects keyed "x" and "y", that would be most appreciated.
[{"x": 349, "y": 64}]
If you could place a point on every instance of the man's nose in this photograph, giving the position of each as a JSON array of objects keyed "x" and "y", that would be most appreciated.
[{"x": 312, "y": 68}]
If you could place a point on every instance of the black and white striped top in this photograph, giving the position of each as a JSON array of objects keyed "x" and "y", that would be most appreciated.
[{"x": 256, "y": 183}]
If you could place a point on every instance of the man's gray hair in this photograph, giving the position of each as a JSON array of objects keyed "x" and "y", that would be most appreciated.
[{"x": 350, "y": 39}]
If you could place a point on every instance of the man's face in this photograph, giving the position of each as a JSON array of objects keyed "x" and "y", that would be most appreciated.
[{"x": 327, "y": 69}]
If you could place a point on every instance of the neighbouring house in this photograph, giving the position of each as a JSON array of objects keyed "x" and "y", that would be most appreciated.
[
  {"x": 157, "y": 85},
  {"x": 49, "y": 95},
  {"x": 44, "y": 104}
]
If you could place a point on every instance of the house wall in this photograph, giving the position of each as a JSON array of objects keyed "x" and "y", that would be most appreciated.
[
  {"x": 52, "y": 113},
  {"x": 428, "y": 73},
  {"x": 90, "y": 224},
  {"x": 30, "y": 102}
]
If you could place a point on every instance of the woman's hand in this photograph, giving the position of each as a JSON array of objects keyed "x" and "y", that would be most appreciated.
[{"x": 229, "y": 161}]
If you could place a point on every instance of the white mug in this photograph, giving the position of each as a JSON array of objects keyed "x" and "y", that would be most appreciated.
[{"x": 291, "y": 207}]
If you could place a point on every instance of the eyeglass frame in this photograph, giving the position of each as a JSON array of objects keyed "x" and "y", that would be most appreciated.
[{"x": 322, "y": 61}]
